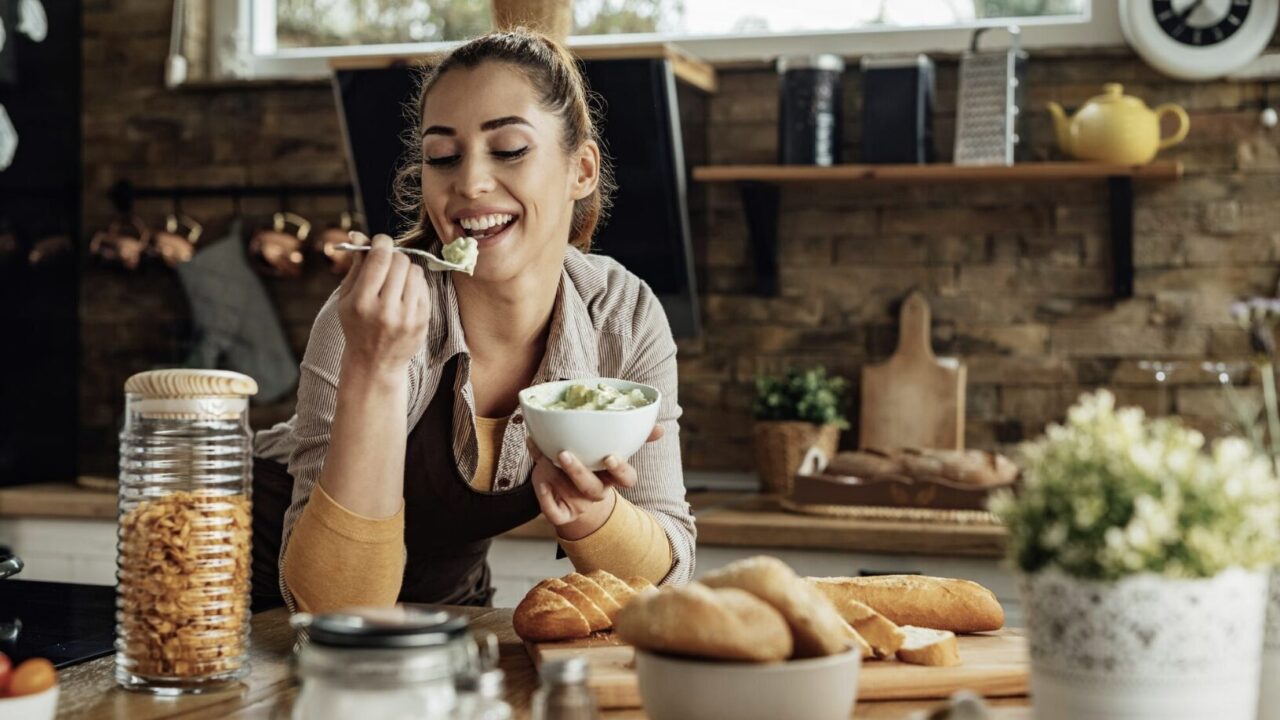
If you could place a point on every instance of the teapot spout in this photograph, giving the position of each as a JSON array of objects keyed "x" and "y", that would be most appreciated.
[{"x": 1061, "y": 127}]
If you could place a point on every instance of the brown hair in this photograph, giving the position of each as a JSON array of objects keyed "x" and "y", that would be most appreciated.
[{"x": 554, "y": 73}]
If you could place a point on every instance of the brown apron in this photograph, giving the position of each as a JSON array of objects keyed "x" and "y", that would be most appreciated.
[{"x": 448, "y": 524}]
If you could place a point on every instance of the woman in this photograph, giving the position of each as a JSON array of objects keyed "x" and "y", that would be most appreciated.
[{"x": 400, "y": 478}]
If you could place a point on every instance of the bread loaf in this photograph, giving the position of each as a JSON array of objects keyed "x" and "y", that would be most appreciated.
[
  {"x": 815, "y": 624},
  {"x": 698, "y": 621},
  {"x": 929, "y": 647},
  {"x": 939, "y": 603},
  {"x": 573, "y": 606},
  {"x": 544, "y": 615}
]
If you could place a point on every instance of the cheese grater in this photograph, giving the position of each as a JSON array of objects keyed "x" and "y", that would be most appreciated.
[{"x": 990, "y": 97}]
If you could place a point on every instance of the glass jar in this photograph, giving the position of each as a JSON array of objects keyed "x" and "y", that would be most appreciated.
[
  {"x": 396, "y": 663},
  {"x": 810, "y": 109},
  {"x": 564, "y": 694},
  {"x": 184, "y": 552}
]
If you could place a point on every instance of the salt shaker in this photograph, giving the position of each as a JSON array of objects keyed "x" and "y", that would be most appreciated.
[
  {"x": 184, "y": 551},
  {"x": 564, "y": 694},
  {"x": 397, "y": 663}
]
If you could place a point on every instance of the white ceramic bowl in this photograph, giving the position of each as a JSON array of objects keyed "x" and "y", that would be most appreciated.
[
  {"x": 685, "y": 689},
  {"x": 41, "y": 706},
  {"x": 590, "y": 435}
]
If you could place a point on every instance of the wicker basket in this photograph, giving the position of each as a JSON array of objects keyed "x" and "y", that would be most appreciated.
[
  {"x": 781, "y": 445},
  {"x": 552, "y": 17}
]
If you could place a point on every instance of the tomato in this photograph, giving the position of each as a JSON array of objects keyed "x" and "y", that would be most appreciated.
[
  {"x": 6, "y": 666},
  {"x": 32, "y": 676}
]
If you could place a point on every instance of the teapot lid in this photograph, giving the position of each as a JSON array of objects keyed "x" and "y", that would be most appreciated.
[{"x": 1111, "y": 93}]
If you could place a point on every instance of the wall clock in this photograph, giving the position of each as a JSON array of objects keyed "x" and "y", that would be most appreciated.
[{"x": 1198, "y": 39}]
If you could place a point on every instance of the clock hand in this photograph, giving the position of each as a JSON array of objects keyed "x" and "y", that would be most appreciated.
[{"x": 1182, "y": 17}]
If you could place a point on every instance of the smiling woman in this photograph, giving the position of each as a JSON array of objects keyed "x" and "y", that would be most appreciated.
[{"x": 408, "y": 452}]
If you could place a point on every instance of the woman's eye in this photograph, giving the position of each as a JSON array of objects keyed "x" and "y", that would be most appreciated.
[
  {"x": 511, "y": 154},
  {"x": 442, "y": 160}
]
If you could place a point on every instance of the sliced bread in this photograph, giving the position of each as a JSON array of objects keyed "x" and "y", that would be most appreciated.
[{"x": 923, "y": 646}]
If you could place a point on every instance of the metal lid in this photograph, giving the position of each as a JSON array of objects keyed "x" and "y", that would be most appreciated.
[
  {"x": 876, "y": 62},
  {"x": 824, "y": 61},
  {"x": 397, "y": 627},
  {"x": 570, "y": 671}
]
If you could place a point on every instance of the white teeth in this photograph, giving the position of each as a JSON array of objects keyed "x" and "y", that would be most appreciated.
[{"x": 484, "y": 222}]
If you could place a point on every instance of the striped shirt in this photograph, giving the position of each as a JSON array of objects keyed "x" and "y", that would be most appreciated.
[{"x": 606, "y": 322}]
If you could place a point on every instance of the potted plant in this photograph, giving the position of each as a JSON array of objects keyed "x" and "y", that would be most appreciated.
[
  {"x": 1260, "y": 316},
  {"x": 793, "y": 413},
  {"x": 1144, "y": 560}
]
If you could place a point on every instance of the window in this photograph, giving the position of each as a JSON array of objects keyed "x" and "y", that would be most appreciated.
[{"x": 293, "y": 37}]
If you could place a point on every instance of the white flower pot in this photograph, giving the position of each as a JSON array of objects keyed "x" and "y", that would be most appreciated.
[
  {"x": 1269, "y": 700},
  {"x": 1145, "y": 647}
]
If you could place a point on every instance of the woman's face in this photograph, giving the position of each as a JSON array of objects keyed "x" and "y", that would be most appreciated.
[{"x": 494, "y": 168}]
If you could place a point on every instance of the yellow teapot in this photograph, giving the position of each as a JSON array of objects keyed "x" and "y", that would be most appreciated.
[{"x": 1116, "y": 128}]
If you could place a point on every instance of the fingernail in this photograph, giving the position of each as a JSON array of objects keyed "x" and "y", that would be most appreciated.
[
  {"x": 565, "y": 457},
  {"x": 611, "y": 462}
]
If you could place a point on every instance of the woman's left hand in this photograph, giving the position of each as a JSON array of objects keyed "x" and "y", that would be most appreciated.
[{"x": 574, "y": 499}]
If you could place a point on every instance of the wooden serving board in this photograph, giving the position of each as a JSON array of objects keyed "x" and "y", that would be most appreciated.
[
  {"x": 914, "y": 399},
  {"x": 994, "y": 665}
]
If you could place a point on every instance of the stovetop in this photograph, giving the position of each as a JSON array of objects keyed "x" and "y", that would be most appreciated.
[{"x": 64, "y": 622}]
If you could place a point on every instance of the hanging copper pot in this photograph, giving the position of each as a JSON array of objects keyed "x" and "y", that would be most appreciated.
[
  {"x": 123, "y": 242},
  {"x": 327, "y": 241},
  {"x": 279, "y": 250},
  {"x": 176, "y": 243}
]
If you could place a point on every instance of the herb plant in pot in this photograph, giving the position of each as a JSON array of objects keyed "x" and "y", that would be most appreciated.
[
  {"x": 793, "y": 413},
  {"x": 1144, "y": 558}
]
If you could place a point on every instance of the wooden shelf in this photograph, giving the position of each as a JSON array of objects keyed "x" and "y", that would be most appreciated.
[
  {"x": 685, "y": 67},
  {"x": 761, "y": 198},
  {"x": 1024, "y": 172}
]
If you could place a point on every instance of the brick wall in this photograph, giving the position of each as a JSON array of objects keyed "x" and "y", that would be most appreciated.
[{"x": 1018, "y": 275}]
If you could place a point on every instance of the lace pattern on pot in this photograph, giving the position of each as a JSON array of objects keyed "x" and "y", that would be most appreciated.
[{"x": 1144, "y": 625}]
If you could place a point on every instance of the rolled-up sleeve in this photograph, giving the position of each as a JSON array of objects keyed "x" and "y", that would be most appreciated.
[{"x": 659, "y": 489}]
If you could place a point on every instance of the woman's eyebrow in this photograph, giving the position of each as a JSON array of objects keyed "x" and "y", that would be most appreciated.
[
  {"x": 486, "y": 126},
  {"x": 503, "y": 122}
]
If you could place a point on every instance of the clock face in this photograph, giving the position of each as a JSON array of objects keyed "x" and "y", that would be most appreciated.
[
  {"x": 1201, "y": 22},
  {"x": 1198, "y": 39}
]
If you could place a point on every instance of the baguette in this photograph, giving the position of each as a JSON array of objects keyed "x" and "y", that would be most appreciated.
[
  {"x": 544, "y": 615},
  {"x": 596, "y": 618},
  {"x": 697, "y": 621},
  {"x": 596, "y": 593},
  {"x": 856, "y": 640},
  {"x": 940, "y": 603},
  {"x": 572, "y": 607},
  {"x": 815, "y": 624},
  {"x": 924, "y": 646}
]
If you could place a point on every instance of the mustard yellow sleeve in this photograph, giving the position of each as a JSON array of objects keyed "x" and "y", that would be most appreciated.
[
  {"x": 338, "y": 559},
  {"x": 628, "y": 544}
]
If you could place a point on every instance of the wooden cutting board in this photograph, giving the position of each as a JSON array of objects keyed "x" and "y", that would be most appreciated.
[
  {"x": 914, "y": 399},
  {"x": 994, "y": 665}
]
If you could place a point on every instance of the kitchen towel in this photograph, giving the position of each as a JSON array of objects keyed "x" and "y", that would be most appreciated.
[{"x": 236, "y": 325}]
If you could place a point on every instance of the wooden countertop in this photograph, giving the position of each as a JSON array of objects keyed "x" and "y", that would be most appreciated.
[
  {"x": 732, "y": 519},
  {"x": 89, "y": 691}
]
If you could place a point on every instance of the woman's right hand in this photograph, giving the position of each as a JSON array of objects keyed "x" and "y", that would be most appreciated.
[{"x": 383, "y": 307}]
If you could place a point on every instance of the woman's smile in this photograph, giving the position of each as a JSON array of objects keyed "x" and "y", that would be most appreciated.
[{"x": 488, "y": 225}]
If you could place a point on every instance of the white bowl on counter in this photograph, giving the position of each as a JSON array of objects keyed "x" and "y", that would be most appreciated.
[
  {"x": 591, "y": 435},
  {"x": 674, "y": 688},
  {"x": 39, "y": 706}
]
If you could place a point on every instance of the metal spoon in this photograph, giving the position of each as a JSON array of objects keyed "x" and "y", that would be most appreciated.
[{"x": 433, "y": 262}]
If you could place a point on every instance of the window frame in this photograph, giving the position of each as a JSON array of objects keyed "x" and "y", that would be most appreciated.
[{"x": 234, "y": 36}]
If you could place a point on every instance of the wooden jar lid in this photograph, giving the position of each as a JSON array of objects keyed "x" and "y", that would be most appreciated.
[{"x": 181, "y": 384}]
